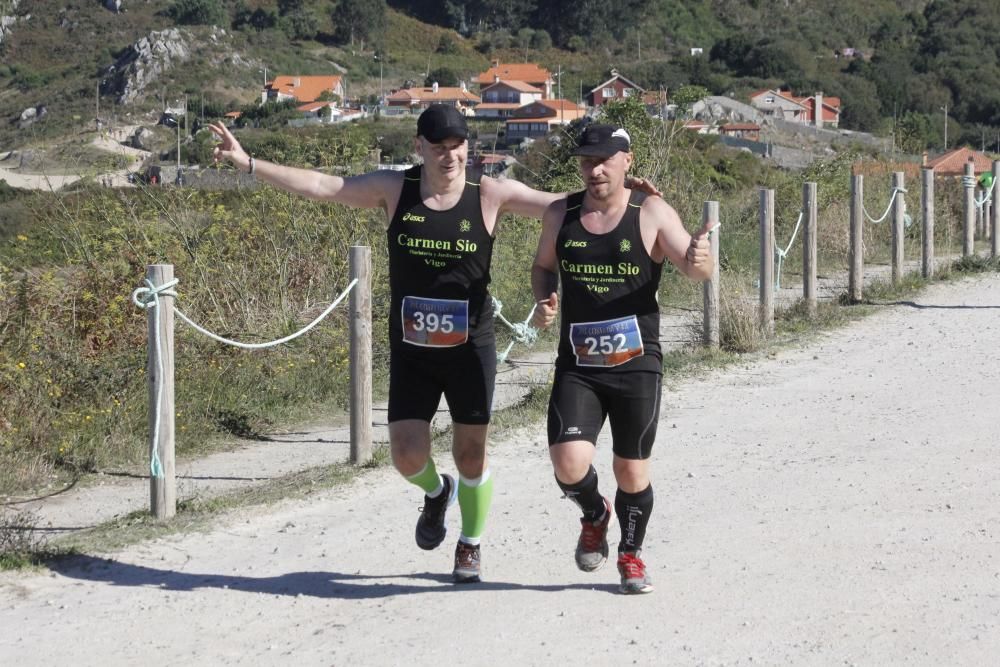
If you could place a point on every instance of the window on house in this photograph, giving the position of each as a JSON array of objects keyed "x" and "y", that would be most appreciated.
[
  {"x": 768, "y": 100},
  {"x": 627, "y": 92},
  {"x": 608, "y": 92}
]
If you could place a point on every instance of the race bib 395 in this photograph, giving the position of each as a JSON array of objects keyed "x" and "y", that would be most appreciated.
[{"x": 435, "y": 322}]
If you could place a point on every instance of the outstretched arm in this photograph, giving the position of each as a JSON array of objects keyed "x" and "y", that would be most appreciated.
[
  {"x": 511, "y": 196},
  {"x": 364, "y": 191}
]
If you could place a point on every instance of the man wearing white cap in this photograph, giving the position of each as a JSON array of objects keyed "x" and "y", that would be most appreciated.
[{"x": 606, "y": 245}]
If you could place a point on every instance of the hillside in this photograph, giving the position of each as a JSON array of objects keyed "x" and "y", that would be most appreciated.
[{"x": 896, "y": 65}]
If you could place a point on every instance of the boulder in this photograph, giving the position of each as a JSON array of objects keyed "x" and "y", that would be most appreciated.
[{"x": 142, "y": 139}]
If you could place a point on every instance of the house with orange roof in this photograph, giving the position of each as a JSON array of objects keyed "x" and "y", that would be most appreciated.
[
  {"x": 698, "y": 126},
  {"x": 952, "y": 163},
  {"x": 539, "y": 118},
  {"x": 315, "y": 113},
  {"x": 749, "y": 131},
  {"x": 504, "y": 97},
  {"x": 414, "y": 100},
  {"x": 529, "y": 73},
  {"x": 782, "y": 104},
  {"x": 615, "y": 88},
  {"x": 302, "y": 88}
]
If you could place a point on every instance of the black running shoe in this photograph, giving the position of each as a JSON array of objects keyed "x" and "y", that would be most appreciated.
[
  {"x": 466, "y": 563},
  {"x": 430, "y": 526}
]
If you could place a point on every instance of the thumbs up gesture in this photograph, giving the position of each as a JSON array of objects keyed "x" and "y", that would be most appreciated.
[
  {"x": 545, "y": 312},
  {"x": 699, "y": 250}
]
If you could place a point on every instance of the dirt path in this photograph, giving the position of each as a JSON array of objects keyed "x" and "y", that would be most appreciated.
[
  {"x": 106, "y": 142},
  {"x": 836, "y": 504}
]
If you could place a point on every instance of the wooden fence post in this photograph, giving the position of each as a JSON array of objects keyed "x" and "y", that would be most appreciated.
[
  {"x": 927, "y": 210},
  {"x": 995, "y": 211},
  {"x": 856, "y": 277},
  {"x": 767, "y": 261},
  {"x": 361, "y": 354},
  {"x": 160, "y": 375},
  {"x": 809, "y": 210},
  {"x": 710, "y": 288},
  {"x": 969, "y": 228},
  {"x": 898, "y": 216}
]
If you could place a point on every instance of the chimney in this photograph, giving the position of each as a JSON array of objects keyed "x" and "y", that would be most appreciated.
[
  {"x": 434, "y": 87},
  {"x": 496, "y": 78},
  {"x": 923, "y": 159},
  {"x": 818, "y": 110},
  {"x": 298, "y": 82},
  {"x": 464, "y": 89}
]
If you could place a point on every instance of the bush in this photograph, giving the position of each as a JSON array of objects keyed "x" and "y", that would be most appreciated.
[{"x": 199, "y": 12}]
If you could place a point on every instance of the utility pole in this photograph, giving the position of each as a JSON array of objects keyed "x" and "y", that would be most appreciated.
[
  {"x": 562, "y": 113},
  {"x": 945, "y": 109}
]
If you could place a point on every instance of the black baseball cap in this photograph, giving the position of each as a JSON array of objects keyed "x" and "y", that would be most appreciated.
[
  {"x": 442, "y": 121},
  {"x": 602, "y": 141}
]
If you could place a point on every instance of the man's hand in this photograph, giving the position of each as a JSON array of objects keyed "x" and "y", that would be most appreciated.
[
  {"x": 545, "y": 312},
  {"x": 229, "y": 149},
  {"x": 700, "y": 249},
  {"x": 641, "y": 184}
]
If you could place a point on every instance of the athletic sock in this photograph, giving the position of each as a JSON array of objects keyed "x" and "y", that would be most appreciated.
[
  {"x": 474, "y": 499},
  {"x": 633, "y": 510},
  {"x": 428, "y": 479},
  {"x": 585, "y": 494}
]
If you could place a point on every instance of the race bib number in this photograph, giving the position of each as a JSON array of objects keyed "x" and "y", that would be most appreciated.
[
  {"x": 605, "y": 344},
  {"x": 435, "y": 322}
]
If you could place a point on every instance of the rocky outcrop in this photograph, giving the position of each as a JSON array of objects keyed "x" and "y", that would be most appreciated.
[
  {"x": 8, "y": 17},
  {"x": 142, "y": 139},
  {"x": 718, "y": 109},
  {"x": 144, "y": 62},
  {"x": 30, "y": 115}
]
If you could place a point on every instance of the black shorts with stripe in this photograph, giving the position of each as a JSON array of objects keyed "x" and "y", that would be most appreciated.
[
  {"x": 581, "y": 402},
  {"x": 465, "y": 375}
]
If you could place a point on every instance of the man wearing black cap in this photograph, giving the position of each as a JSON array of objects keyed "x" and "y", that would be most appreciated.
[
  {"x": 607, "y": 246},
  {"x": 440, "y": 239}
]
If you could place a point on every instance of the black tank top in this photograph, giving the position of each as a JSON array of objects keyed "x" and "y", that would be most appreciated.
[
  {"x": 610, "y": 317},
  {"x": 439, "y": 269}
]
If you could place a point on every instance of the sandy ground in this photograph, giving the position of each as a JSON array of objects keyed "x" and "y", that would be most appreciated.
[
  {"x": 834, "y": 504},
  {"x": 111, "y": 143}
]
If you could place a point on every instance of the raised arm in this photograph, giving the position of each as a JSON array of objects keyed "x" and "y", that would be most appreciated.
[
  {"x": 545, "y": 269},
  {"x": 690, "y": 254},
  {"x": 372, "y": 190}
]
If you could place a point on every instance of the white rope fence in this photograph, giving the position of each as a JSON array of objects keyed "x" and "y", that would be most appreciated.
[
  {"x": 149, "y": 297},
  {"x": 783, "y": 253},
  {"x": 522, "y": 332},
  {"x": 971, "y": 182}
]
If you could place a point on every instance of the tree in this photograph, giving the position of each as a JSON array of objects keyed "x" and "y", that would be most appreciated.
[
  {"x": 198, "y": 12},
  {"x": 443, "y": 76},
  {"x": 300, "y": 24},
  {"x": 360, "y": 20},
  {"x": 447, "y": 44}
]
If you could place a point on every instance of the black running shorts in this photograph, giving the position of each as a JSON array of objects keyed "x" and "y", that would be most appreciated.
[
  {"x": 464, "y": 374},
  {"x": 580, "y": 403}
]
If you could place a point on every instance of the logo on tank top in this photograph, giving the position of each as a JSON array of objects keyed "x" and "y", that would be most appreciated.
[
  {"x": 570, "y": 243},
  {"x": 464, "y": 225},
  {"x": 625, "y": 245},
  {"x": 410, "y": 217}
]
